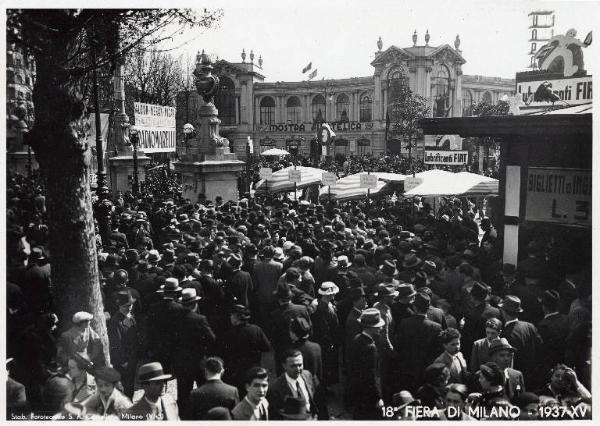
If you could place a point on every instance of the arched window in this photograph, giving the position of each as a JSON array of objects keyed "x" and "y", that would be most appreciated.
[
  {"x": 366, "y": 108},
  {"x": 294, "y": 110},
  {"x": 342, "y": 105},
  {"x": 318, "y": 108},
  {"x": 441, "y": 91},
  {"x": 225, "y": 101},
  {"x": 533, "y": 47},
  {"x": 267, "y": 110},
  {"x": 486, "y": 98},
  {"x": 534, "y": 34},
  {"x": 467, "y": 103}
]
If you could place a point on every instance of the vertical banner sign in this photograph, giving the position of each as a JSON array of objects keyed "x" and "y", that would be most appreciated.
[
  {"x": 353, "y": 146},
  {"x": 559, "y": 195},
  {"x": 368, "y": 181},
  {"x": 328, "y": 179},
  {"x": 295, "y": 176},
  {"x": 156, "y": 127},
  {"x": 265, "y": 173}
]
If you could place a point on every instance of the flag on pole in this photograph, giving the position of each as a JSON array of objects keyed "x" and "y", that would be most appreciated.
[
  {"x": 312, "y": 74},
  {"x": 306, "y": 68}
]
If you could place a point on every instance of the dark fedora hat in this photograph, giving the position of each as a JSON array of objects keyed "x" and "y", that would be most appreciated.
[
  {"x": 422, "y": 300},
  {"x": 241, "y": 311},
  {"x": 429, "y": 266},
  {"x": 383, "y": 290},
  {"x": 283, "y": 292},
  {"x": 411, "y": 261},
  {"x": 152, "y": 372},
  {"x": 499, "y": 345},
  {"x": 294, "y": 409},
  {"x": 479, "y": 290},
  {"x": 300, "y": 327},
  {"x": 405, "y": 290},
  {"x": 511, "y": 304},
  {"x": 550, "y": 298},
  {"x": 371, "y": 318}
]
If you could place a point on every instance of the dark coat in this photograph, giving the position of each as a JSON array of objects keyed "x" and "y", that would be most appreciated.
[
  {"x": 437, "y": 315},
  {"x": 241, "y": 287},
  {"x": 514, "y": 385},
  {"x": 281, "y": 319},
  {"x": 553, "y": 331},
  {"x": 242, "y": 347},
  {"x": 213, "y": 393},
  {"x": 124, "y": 340},
  {"x": 325, "y": 325},
  {"x": 163, "y": 328},
  {"x": 352, "y": 328},
  {"x": 279, "y": 390},
  {"x": 474, "y": 328},
  {"x": 527, "y": 341},
  {"x": 265, "y": 276},
  {"x": 363, "y": 358},
  {"x": 119, "y": 238},
  {"x": 416, "y": 341},
  {"x": 480, "y": 354},
  {"x": 193, "y": 342}
]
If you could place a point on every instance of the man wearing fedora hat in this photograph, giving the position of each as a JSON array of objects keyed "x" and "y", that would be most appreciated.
[
  {"x": 502, "y": 353},
  {"x": 294, "y": 409},
  {"x": 194, "y": 339},
  {"x": 239, "y": 284},
  {"x": 554, "y": 330},
  {"x": 154, "y": 403},
  {"x": 325, "y": 331},
  {"x": 125, "y": 340},
  {"x": 358, "y": 297},
  {"x": 475, "y": 318},
  {"x": 524, "y": 337},
  {"x": 163, "y": 320},
  {"x": 363, "y": 385},
  {"x": 242, "y": 346},
  {"x": 416, "y": 340},
  {"x": 265, "y": 276}
]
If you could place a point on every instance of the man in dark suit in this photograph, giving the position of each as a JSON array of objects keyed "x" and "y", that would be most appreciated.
[
  {"x": 476, "y": 317},
  {"x": 363, "y": 387},
  {"x": 325, "y": 331},
  {"x": 213, "y": 393},
  {"x": 163, "y": 319},
  {"x": 265, "y": 275},
  {"x": 117, "y": 236},
  {"x": 554, "y": 329},
  {"x": 501, "y": 352},
  {"x": 242, "y": 346},
  {"x": 353, "y": 327},
  {"x": 480, "y": 354},
  {"x": 194, "y": 341},
  {"x": 280, "y": 320},
  {"x": 239, "y": 284},
  {"x": 524, "y": 337},
  {"x": 311, "y": 351},
  {"x": 434, "y": 313},
  {"x": 296, "y": 382},
  {"x": 416, "y": 340}
]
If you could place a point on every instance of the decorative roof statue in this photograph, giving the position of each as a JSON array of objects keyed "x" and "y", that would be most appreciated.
[
  {"x": 427, "y": 37},
  {"x": 243, "y": 55},
  {"x": 379, "y": 44},
  {"x": 414, "y": 37},
  {"x": 207, "y": 84},
  {"x": 457, "y": 43}
]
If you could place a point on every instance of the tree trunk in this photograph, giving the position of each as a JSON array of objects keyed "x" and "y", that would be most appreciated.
[{"x": 64, "y": 156}]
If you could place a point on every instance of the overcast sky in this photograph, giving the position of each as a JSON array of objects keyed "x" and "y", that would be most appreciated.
[{"x": 339, "y": 36}]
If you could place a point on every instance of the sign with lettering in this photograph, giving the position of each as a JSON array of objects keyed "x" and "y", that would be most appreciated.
[
  {"x": 265, "y": 173},
  {"x": 295, "y": 175},
  {"x": 559, "y": 195},
  {"x": 156, "y": 127},
  {"x": 412, "y": 182},
  {"x": 368, "y": 181},
  {"x": 447, "y": 158},
  {"x": 328, "y": 179},
  {"x": 571, "y": 91},
  {"x": 337, "y": 126}
]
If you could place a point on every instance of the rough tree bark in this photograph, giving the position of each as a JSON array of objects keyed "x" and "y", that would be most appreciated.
[{"x": 63, "y": 153}]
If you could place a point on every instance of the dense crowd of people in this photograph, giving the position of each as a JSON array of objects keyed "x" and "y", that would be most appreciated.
[{"x": 407, "y": 310}]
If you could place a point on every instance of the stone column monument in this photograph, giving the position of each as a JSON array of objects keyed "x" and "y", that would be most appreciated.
[{"x": 205, "y": 162}]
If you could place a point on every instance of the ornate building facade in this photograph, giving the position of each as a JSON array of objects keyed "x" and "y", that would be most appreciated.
[{"x": 282, "y": 114}]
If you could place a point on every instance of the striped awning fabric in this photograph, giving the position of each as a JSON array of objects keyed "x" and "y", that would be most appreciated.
[{"x": 280, "y": 181}]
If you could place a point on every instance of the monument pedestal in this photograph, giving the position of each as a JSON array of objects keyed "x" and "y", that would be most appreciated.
[
  {"x": 216, "y": 175},
  {"x": 121, "y": 171}
]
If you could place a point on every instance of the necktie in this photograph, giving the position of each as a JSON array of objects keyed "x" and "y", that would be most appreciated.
[
  {"x": 299, "y": 390},
  {"x": 262, "y": 415}
]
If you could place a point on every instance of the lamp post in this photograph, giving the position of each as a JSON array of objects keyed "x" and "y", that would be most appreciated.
[{"x": 134, "y": 139}]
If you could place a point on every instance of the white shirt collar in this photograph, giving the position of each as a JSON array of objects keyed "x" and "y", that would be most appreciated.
[{"x": 511, "y": 321}]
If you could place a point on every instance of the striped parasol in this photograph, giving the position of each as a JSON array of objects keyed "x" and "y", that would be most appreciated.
[
  {"x": 348, "y": 188},
  {"x": 280, "y": 181}
]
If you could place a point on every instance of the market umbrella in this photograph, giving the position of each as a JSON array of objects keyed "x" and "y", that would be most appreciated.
[
  {"x": 274, "y": 152},
  {"x": 442, "y": 183},
  {"x": 348, "y": 188},
  {"x": 280, "y": 179}
]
